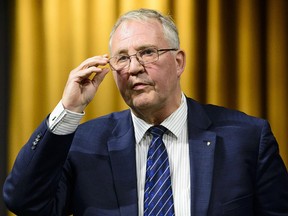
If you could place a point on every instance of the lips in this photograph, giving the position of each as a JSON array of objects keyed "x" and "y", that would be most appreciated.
[{"x": 139, "y": 85}]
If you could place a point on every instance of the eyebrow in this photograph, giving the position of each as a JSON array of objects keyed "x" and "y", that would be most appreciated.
[{"x": 125, "y": 51}]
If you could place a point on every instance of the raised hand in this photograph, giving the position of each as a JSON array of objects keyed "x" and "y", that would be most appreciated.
[{"x": 83, "y": 83}]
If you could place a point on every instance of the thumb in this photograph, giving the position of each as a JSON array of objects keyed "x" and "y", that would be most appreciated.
[{"x": 98, "y": 78}]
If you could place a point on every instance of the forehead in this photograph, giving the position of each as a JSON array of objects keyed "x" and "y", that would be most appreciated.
[{"x": 134, "y": 34}]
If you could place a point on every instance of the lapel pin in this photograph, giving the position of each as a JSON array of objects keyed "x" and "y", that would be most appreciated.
[{"x": 208, "y": 143}]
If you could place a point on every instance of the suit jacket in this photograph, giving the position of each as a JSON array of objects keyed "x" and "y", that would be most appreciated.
[{"x": 235, "y": 168}]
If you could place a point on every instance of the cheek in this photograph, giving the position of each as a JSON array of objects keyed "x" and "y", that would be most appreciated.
[
  {"x": 165, "y": 76},
  {"x": 119, "y": 80},
  {"x": 122, "y": 85}
]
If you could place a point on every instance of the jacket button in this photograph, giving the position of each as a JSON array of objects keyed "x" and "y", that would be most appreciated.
[{"x": 35, "y": 142}]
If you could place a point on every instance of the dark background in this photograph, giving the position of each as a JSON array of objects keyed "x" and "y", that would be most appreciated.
[{"x": 4, "y": 87}]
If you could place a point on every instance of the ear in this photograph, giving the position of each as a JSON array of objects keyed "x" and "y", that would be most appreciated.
[{"x": 180, "y": 61}]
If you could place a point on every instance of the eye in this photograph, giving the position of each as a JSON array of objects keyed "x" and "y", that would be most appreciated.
[
  {"x": 122, "y": 58},
  {"x": 147, "y": 52}
]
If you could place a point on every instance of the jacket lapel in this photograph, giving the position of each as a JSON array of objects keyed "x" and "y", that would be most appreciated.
[
  {"x": 121, "y": 147},
  {"x": 201, "y": 151}
]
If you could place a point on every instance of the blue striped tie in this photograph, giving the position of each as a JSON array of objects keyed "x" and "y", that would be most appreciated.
[{"x": 158, "y": 196}]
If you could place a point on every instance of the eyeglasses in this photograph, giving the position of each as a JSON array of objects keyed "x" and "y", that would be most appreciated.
[{"x": 145, "y": 56}]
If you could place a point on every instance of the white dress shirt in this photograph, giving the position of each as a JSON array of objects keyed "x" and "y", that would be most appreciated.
[
  {"x": 62, "y": 121},
  {"x": 176, "y": 142}
]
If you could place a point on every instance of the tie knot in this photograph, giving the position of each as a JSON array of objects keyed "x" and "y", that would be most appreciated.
[{"x": 158, "y": 130}]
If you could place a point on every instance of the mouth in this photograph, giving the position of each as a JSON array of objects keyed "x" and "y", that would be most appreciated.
[{"x": 139, "y": 86}]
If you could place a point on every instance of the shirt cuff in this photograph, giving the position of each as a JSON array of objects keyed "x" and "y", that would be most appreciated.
[{"x": 62, "y": 121}]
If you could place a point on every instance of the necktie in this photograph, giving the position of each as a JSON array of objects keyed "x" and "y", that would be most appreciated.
[{"x": 158, "y": 197}]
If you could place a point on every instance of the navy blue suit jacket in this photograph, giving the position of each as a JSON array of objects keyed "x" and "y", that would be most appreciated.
[{"x": 235, "y": 168}]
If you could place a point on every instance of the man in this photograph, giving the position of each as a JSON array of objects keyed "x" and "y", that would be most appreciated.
[{"x": 220, "y": 162}]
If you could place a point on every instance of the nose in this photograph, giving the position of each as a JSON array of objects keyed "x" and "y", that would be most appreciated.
[{"x": 135, "y": 66}]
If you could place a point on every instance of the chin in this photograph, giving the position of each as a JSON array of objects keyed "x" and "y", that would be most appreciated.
[
  {"x": 141, "y": 104},
  {"x": 142, "y": 101}
]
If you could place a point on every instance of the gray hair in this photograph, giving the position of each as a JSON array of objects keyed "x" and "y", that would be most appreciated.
[{"x": 169, "y": 28}]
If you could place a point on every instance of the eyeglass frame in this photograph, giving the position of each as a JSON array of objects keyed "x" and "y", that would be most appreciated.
[{"x": 164, "y": 50}]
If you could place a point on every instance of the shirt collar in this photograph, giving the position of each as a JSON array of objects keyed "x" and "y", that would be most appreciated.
[{"x": 174, "y": 123}]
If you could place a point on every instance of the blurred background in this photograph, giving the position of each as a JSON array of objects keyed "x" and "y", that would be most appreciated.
[{"x": 236, "y": 57}]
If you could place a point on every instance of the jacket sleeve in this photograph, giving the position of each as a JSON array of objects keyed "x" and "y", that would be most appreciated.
[
  {"x": 37, "y": 184},
  {"x": 272, "y": 177}
]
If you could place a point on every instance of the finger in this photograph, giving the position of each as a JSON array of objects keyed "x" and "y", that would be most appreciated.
[
  {"x": 98, "y": 78},
  {"x": 81, "y": 74},
  {"x": 94, "y": 61},
  {"x": 93, "y": 69}
]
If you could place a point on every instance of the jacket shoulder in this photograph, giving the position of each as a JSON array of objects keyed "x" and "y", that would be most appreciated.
[
  {"x": 220, "y": 115},
  {"x": 107, "y": 121},
  {"x": 93, "y": 135}
]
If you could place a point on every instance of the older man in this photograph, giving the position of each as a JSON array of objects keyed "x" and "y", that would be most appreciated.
[{"x": 167, "y": 155}]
